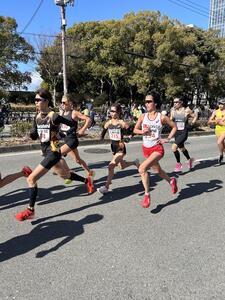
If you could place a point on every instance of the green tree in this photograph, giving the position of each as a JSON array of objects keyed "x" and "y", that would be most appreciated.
[{"x": 14, "y": 50}]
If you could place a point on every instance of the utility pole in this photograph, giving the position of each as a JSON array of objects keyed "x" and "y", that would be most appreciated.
[{"x": 62, "y": 4}]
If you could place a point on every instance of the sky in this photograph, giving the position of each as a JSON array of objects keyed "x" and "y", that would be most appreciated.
[{"x": 43, "y": 16}]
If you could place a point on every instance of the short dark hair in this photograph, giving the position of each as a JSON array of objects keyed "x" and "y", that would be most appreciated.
[
  {"x": 156, "y": 98},
  {"x": 45, "y": 94}
]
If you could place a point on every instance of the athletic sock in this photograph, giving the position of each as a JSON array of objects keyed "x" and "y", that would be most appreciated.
[
  {"x": 177, "y": 155},
  {"x": 33, "y": 195},
  {"x": 186, "y": 154},
  {"x": 74, "y": 176}
]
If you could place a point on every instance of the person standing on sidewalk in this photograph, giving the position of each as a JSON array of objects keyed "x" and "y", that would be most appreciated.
[
  {"x": 116, "y": 126},
  {"x": 25, "y": 172},
  {"x": 149, "y": 125},
  {"x": 218, "y": 119},
  {"x": 180, "y": 115}
]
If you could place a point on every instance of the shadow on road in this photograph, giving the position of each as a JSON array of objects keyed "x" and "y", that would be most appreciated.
[
  {"x": 193, "y": 190},
  {"x": 44, "y": 233},
  {"x": 117, "y": 194}
]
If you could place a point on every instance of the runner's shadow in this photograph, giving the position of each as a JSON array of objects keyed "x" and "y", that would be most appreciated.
[
  {"x": 21, "y": 196},
  {"x": 200, "y": 165},
  {"x": 193, "y": 190},
  {"x": 44, "y": 233},
  {"x": 117, "y": 194}
]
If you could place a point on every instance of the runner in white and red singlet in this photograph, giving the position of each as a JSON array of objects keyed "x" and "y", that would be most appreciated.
[{"x": 150, "y": 126}]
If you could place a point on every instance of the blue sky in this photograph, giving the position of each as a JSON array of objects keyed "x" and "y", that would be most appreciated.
[{"x": 47, "y": 18}]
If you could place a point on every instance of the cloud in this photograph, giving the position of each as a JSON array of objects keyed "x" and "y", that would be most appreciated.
[{"x": 36, "y": 81}]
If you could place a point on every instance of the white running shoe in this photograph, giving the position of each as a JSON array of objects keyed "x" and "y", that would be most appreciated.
[{"x": 102, "y": 190}]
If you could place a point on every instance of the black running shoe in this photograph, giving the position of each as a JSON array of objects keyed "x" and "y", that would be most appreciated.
[{"x": 220, "y": 160}]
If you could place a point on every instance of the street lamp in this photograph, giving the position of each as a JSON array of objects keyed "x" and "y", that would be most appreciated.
[{"x": 62, "y": 4}]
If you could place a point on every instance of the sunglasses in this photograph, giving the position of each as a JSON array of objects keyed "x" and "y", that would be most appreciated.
[
  {"x": 63, "y": 102},
  {"x": 149, "y": 101},
  {"x": 39, "y": 99},
  {"x": 113, "y": 111}
]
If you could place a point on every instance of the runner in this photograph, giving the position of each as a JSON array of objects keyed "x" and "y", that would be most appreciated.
[
  {"x": 217, "y": 118},
  {"x": 150, "y": 125},
  {"x": 116, "y": 126},
  {"x": 180, "y": 115},
  {"x": 71, "y": 140},
  {"x": 46, "y": 127},
  {"x": 25, "y": 172}
]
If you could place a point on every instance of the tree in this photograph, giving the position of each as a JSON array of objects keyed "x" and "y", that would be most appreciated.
[{"x": 14, "y": 50}]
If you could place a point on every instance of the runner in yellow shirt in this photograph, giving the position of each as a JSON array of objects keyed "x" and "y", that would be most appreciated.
[{"x": 218, "y": 118}]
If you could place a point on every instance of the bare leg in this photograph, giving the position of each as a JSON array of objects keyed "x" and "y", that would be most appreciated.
[
  {"x": 75, "y": 155},
  {"x": 150, "y": 161}
]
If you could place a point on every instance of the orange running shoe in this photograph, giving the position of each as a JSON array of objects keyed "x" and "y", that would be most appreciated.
[
  {"x": 146, "y": 202},
  {"x": 173, "y": 184},
  {"x": 26, "y": 171},
  {"x": 25, "y": 215},
  {"x": 90, "y": 185}
]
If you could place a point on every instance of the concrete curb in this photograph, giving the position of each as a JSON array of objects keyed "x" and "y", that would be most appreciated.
[{"x": 85, "y": 142}]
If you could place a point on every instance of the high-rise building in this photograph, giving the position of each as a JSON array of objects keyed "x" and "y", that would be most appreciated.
[{"x": 217, "y": 16}]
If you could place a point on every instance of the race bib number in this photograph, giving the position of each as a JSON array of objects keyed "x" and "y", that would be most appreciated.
[
  {"x": 44, "y": 135},
  {"x": 180, "y": 125},
  {"x": 115, "y": 134}
]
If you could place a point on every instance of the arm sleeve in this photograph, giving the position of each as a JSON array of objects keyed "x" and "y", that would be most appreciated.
[
  {"x": 103, "y": 133},
  {"x": 34, "y": 132},
  {"x": 57, "y": 119}
]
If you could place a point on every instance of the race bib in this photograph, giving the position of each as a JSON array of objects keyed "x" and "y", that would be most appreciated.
[
  {"x": 180, "y": 125},
  {"x": 115, "y": 134},
  {"x": 44, "y": 134},
  {"x": 65, "y": 127}
]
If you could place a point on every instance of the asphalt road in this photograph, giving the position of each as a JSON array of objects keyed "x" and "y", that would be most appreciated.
[{"x": 83, "y": 246}]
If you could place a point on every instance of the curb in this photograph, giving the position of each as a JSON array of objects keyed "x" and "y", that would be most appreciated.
[{"x": 36, "y": 146}]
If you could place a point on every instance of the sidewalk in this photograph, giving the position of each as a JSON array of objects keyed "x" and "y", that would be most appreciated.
[{"x": 83, "y": 142}]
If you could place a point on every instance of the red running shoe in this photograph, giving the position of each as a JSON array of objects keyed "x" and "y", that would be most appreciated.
[
  {"x": 90, "y": 185},
  {"x": 26, "y": 171},
  {"x": 173, "y": 184},
  {"x": 25, "y": 215},
  {"x": 146, "y": 202}
]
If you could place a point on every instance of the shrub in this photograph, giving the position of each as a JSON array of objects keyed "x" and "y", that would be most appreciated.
[{"x": 21, "y": 129}]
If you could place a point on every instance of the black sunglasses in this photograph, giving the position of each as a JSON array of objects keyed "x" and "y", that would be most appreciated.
[
  {"x": 63, "y": 102},
  {"x": 39, "y": 99},
  {"x": 149, "y": 101},
  {"x": 113, "y": 111}
]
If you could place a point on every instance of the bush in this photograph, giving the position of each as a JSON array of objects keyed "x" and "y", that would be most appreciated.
[
  {"x": 21, "y": 129},
  {"x": 23, "y": 108}
]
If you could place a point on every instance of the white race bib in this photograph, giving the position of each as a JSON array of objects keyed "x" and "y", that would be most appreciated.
[
  {"x": 44, "y": 134},
  {"x": 180, "y": 125},
  {"x": 65, "y": 127},
  {"x": 115, "y": 134}
]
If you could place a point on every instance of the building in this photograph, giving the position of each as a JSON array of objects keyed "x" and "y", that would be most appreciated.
[{"x": 217, "y": 16}]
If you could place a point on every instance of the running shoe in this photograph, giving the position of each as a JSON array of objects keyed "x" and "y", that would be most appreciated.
[
  {"x": 25, "y": 215},
  {"x": 91, "y": 173},
  {"x": 67, "y": 181},
  {"x": 220, "y": 160},
  {"x": 178, "y": 167},
  {"x": 173, "y": 184},
  {"x": 103, "y": 190},
  {"x": 137, "y": 162},
  {"x": 90, "y": 185},
  {"x": 146, "y": 201},
  {"x": 190, "y": 163},
  {"x": 26, "y": 171}
]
